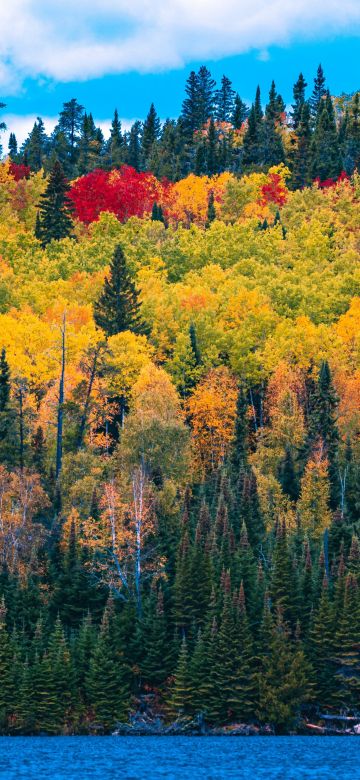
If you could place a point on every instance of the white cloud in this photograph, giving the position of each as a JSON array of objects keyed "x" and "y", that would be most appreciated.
[{"x": 79, "y": 39}]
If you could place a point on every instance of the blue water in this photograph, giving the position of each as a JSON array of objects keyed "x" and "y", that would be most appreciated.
[{"x": 209, "y": 758}]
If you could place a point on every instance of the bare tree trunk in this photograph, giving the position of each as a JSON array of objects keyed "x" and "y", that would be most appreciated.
[
  {"x": 85, "y": 413},
  {"x": 60, "y": 415},
  {"x": 21, "y": 427},
  {"x": 138, "y": 496}
]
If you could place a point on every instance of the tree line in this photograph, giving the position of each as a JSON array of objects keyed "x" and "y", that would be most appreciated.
[{"x": 216, "y": 131}]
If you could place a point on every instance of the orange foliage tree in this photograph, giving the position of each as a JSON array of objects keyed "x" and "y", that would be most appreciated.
[{"x": 212, "y": 410}]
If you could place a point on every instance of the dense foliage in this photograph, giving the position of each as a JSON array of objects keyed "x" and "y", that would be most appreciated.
[{"x": 179, "y": 430}]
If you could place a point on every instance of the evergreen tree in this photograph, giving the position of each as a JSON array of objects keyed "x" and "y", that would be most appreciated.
[
  {"x": 4, "y": 381},
  {"x": 55, "y": 208},
  {"x": 36, "y": 145},
  {"x": 273, "y": 150},
  {"x": 212, "y": 164},
  {"x": 240, "y": 113},
  {"x": 287, "y": 476},
  {"x": 133, "y": 153},
  {"x": 325, "y": 151},
  {"x": 322, "y": 425},
  {"x": 301, "y": 154},
  {"x": 211, "y": 211},
  {"x": 205, "y": 96},
  {"x": 13, "y": 147},
  {"x": 107, "y": 679},
  {"x": 351, "y": 136},
  {"x": 115, "y": 146},
  {"x": 318, "y": 94},
  {"x": 299, "y": 101},
  {"x": 284, "y": 681},
  {"x": 150, "y": 132},
  {"x": 7, "y": 689},
  {"x": 180, "y": 701},
  {"x": 224, "y": 101},
  {"x": 253, "y": 135},
  {"x": 189, "y": 111},
  {"x": 70, "y": 125},
  {"x": 117, "y": 309}
]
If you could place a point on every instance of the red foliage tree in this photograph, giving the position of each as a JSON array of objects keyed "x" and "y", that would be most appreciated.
[
  {"x": 274, "y": 191},
  {"x": 124, "y": 192},
  {"x": 19, "y": 171}
]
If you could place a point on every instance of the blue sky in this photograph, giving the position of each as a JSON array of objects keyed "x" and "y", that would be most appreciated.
[{"x": 109, "y": 54}]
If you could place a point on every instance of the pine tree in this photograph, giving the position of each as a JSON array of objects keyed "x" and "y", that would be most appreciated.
[
  {"x": 133, "y": 152},
  {"x": 55, "y": 208},
  {"x": 212, "y": 164},
  {"x": 284, "y": 681},
  {"x": 116, "y": 142},
  {"x": 224, "y": 101},
  {"x": 205, "y": 96},
  {"x": 325, "y": 150},
  {"x": 322, "y": 425},
  {"x": 350, "y": 145},
  {"x": 301, "y": 173},
  {"x": 189, "y": 111},
  {"x": 318, "y": 94},
  {"x": 107, "y": 679},
  {"x": 253, "y": 135},
  {"x": 36, "y": 145},
  {"x": 322, "y": 646},
  {"x": 287, "y": 476},
  {"x": 70, "y": 124},
  {"x": 281, "y": 588},
  {"x": 347, "y": 647},
  {"x": 273, "y": 150},
  {"x": 7, "y": 689},
  {"x": 240, "y": 445},
  {"x": 180, "y": 700},
  {"x": 150, "y": 132},
  {"x": 299, "y": 101},
  {"x": 13, "y": 147},
  {"x": 211, "y": 211},
  {"x": 118, "y": 309},
  {"x": 4, "y": 381},
  {"x": 240, "y": 113}
]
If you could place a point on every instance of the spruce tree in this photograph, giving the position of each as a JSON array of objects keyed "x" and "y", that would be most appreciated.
[
  {"x": 300, "y": 155},
  {"x": 107, "y": 679},
  {"x": 13, "y": 147},
  {"x": 150, "y": 132},
  {"x": 4, "y": 381},
  {"x": 325, "y": 148},
  {"x": 134, "y": 152},
  {"x": 115, "y": 146},
  {"x": 318, "y": 94},
  {"x": 211, "y": 211},
  {"x": 322, "y": 425},
  {"x": 180, "y": 700},
  {"x": 118, "y": 309},
  {"x": 212, "y": 163},
  {"x": 299, "y": 101},
  {"x": 70, "y": 124},
  {"x": 55, "y": 208},
  {"x": 273, "y": 150},
  {"x": 240, "y": 113},
  {"x": 224, "y": 101},
  {"x": 350, "y": 144},
  {"x": 284, "y": 681}
]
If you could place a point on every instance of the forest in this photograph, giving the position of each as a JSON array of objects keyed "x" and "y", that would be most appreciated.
[{"x": 180, "y": 415}]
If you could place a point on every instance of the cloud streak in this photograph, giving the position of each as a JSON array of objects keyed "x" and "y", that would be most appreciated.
[{"x": 66, "y": 40}]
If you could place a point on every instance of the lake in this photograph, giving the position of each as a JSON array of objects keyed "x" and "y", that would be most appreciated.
[{"x": 207, "y": 758}]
